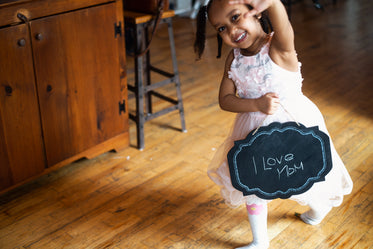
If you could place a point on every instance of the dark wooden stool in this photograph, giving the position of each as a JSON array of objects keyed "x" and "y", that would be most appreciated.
[{"x": 144, "y": 89}]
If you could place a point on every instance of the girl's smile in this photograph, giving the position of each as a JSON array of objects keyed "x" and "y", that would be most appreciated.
[{"x": 241, "y": 37}]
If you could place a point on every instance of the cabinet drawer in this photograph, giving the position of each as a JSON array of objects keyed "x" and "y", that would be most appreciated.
[{"x": 35, "y": 9}]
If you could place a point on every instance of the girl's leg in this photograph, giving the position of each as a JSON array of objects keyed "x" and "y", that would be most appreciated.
[
  {"x": 316, "y": 213},
  {"x": 258, "y": 222}
]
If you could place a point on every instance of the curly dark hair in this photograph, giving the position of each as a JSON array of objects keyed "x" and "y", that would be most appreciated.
[{"x": 199, "y": 43}]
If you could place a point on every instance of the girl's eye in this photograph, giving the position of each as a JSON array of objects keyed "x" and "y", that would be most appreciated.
[
  {"x": 221, "y": 29},
  {"x": 235, "y": 17}
]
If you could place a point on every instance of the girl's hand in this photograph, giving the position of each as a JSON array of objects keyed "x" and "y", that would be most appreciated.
[
  {"x": 268, "y": 103},
  {"x": 258, "y": 5}
]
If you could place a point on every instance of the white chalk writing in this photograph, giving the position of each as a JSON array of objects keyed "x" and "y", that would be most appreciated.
[{"x": 283, "y": 165}]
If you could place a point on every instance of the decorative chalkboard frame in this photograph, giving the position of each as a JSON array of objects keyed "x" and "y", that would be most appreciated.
[{"x": 280, "y": 160}]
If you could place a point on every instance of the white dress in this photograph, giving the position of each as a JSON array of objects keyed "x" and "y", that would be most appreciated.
[{"x": 255, "y": 76}]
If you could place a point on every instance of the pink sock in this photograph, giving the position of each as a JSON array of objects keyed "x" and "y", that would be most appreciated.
[{"x": 258, "y": 221}]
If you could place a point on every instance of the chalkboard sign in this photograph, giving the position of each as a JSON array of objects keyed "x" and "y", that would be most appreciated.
[{"x": 280, "y": 160}]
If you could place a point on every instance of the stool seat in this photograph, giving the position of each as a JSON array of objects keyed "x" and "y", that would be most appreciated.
[
  {"x": 144, "y": 89},
  {"x": 138, "y": 18}
]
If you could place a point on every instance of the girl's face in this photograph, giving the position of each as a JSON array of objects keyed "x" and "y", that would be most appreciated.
[{"x": 236, "y": 30}]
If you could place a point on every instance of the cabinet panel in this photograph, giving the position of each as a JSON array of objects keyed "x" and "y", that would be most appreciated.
[
  {"x": 78, "y": 78},
  {"x": 21, "y": 145}
]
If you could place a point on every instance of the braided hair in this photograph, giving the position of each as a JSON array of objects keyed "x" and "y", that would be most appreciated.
[{"x": 202, "y": 16}]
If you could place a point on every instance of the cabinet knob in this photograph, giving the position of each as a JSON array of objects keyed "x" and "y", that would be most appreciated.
[
  {"x": 39, "y": 37},
  {"x": 8, "y": 90},
  {"x": 21, "y": 42},
  {"x": 49, "y": 88}
]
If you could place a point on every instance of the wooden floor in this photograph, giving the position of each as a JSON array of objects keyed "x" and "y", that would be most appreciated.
[{"x": 162, "y": 198}]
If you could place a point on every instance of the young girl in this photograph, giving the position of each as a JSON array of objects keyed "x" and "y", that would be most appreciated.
[{"x": 262, "y": 83}]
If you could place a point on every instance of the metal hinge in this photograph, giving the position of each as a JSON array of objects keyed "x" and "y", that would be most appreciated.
[
  {"x": 117, "y": 29},
  {"x": 122, "y": 107}
]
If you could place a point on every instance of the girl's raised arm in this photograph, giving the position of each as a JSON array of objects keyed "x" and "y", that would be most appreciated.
[{"x": 282, "y": 49}]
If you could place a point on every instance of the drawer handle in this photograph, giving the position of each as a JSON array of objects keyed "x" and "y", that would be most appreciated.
[{"x": 22, "y": 17}]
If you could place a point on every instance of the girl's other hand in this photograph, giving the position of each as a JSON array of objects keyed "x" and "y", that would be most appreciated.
[
  {"x": 258, "y": 5},
  {"x": 268, "y": 103}
]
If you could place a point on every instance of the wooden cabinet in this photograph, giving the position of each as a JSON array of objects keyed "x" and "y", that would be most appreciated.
[{"x": 62, "y": 84}]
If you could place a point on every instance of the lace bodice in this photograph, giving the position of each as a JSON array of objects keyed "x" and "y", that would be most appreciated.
[{"x": 257, "y": 75}]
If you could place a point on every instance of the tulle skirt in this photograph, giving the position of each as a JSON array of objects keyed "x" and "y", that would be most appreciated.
[{"x": 327, "y": 193}]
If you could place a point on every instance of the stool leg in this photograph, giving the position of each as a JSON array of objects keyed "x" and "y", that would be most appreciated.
[
  {"x": 176, "y": 74},
  {"x": 148, "y": 96},
  {"x": 139, "y": 79}
]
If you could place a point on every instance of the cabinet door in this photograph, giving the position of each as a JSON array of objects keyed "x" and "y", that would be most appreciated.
[
  {"x": 21, "y": 146},
  {"x": 78, "y": 77}
]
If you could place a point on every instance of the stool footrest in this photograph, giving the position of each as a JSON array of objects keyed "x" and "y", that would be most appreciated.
[
  {"x": 162, "y": 72},
  {"x": 151, "y": 116},
  {"x": 164, "y": 97},
  {"x": 133, "y": 117},
  {"x": 159, "y": 84},
  {"x": 131, "y": 88},
  {"x": 154, "y": 93}
]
